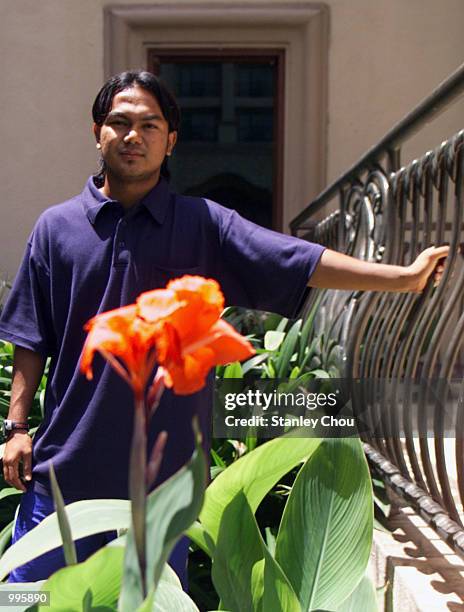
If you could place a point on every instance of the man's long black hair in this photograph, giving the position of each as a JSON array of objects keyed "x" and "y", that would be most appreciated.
[{"x": 148, "y": 81}]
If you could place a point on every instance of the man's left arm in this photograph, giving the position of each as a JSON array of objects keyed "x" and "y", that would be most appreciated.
[{"x": 338, "y": 271}]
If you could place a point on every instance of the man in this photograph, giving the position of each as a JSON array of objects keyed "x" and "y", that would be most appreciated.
[{"x": 124, "y": 234}]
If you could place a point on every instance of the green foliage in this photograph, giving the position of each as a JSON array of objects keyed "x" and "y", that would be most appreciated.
[
  {"x": 324, "y": 540},
  {"x": 171, "y": 509},
  {"x": 284, "y": 350},
  {"x": 244, "y": 572},
  {"x": 362, "y": 598},
  {"x": 95, "y": 582},
  {"x": 325, "y": 536},
  {"x": 8, "y": 506},
  {"x": 255, "y": 474},
  {"x": 69, "y": 547},
  {"x": 6, "y": 371},
  {"x": 314, "y": 552},
  {"x": 86, "y": 517},
  {"x": 112, "y": 575}
]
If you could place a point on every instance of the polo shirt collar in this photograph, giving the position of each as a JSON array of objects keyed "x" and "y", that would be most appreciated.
[{"x": 156, "y": 200}]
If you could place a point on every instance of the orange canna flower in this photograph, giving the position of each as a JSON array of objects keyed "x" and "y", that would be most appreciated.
[
  {"x": 178, "y": 327},
  {"x": 126, "y": 341},
  {"x": 192, "y": 339}
]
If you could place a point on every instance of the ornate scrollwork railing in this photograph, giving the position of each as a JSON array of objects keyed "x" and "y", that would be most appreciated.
[{"x": 403, "y": 353}]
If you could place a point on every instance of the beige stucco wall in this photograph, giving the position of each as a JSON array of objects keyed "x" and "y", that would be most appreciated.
[{"x": 384, "y": 56}]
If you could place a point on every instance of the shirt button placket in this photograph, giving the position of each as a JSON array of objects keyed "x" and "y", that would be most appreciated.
[{"x": 120, "y": 252}]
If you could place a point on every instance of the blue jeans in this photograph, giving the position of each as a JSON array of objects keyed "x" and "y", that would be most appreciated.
[{"x": 34, "y": 507}]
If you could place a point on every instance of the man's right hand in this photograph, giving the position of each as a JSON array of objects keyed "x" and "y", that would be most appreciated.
[{"x": 18, "y": 448}]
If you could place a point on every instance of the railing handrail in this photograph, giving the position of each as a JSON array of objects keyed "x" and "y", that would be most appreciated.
[{"x": 430, "y": 107}]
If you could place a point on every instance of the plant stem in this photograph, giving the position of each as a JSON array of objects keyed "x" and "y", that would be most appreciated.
[{"x": 137, "y": 480}]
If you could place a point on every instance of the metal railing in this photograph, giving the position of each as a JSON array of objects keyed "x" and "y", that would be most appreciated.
[{"x": 403, "y": 351}]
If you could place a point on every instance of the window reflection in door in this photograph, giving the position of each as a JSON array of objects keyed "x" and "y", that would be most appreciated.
[{"x": 228, "y": 138}]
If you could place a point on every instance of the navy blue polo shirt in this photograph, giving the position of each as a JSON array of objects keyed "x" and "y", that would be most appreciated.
[{"x": 87, "y": 256}]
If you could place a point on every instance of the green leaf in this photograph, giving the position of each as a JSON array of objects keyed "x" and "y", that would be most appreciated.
[
  {"x": 273, "y": 339},
  {"x": 282, "y": 324},
  {"x": 5, "y": 536},
  {"x": 293, "y": 384},
  {"x": 287, "y": 350},
  {"x": 215, "y": 470},
  {"x": 198, "y": 534},
  {"x": 307, "y": 328},
  {"x": 325, "y": 535},
  {"x": 362, "y": 598},
  {"x": 171, "y": 509},
  {"x": 233, "y": 370},
  {"x": 244, "y": 573},
  {"x": 255, "y": 473},
  {"x": 320, "y": 374},
  {"x": 270, "y": 540},
  {"x": 168, "y": 596},
  {"x": 86, "y": 517},
  {"x": 69, "y": 548},
  {"x": 96, "y": 581},
  {"x": 310, "y": 354},
  {"x": 253, "y": 362},
  {"x": 8, "y": 491},
  {"x": 218, "y": 460}
]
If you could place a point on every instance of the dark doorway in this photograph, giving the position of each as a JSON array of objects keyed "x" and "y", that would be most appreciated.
[{"x": 231, "y": 137}]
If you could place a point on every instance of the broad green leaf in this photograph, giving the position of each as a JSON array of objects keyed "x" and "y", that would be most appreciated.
[
  {"x": 96, "y": 581},
  {"x": 273, "y": 339},
  {"x": 8, "y": 491},
  {"x": 21, "y": 586},
  {"x": 287, "y": 349},
  {"x": 233, "y": 370},
  {"x": 168, "y": 596},
  {"x": 198, "y": 534},
  {"x": 86, "y": 517},
  {"x": 171, "y": 509},
  {"x": 362, "y": 598},
  {"x": 215, "y": 470},
  {"x": 325, "y": 535},
  {"x": 282, "y": 324},
  {"x": 69, "y": 547},
  {"x": 255, "y": 473},
  {"x": 244, "y": 573},
  {"x": 278, "y": 593}
]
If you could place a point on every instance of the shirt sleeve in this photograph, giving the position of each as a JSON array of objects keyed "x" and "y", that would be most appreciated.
[
  {"x": 263, "y": 269},
  {"x": 26, "y": 317}
]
